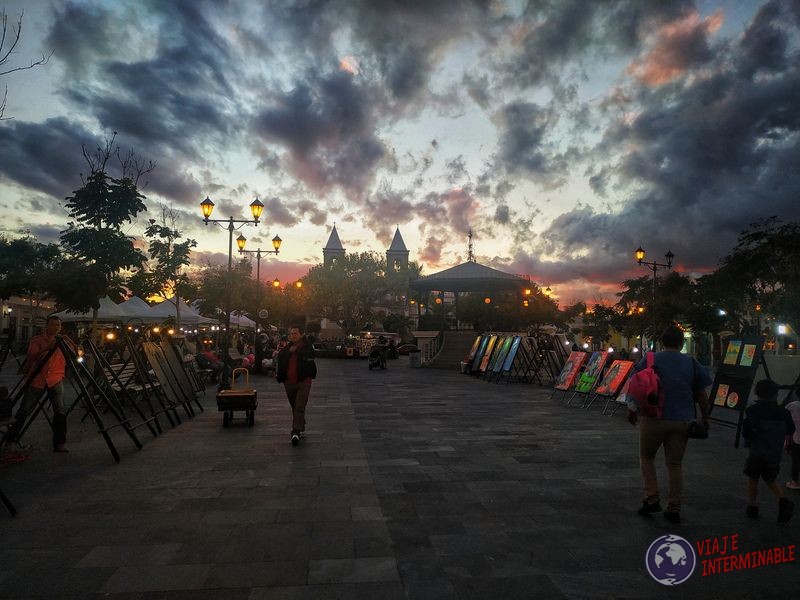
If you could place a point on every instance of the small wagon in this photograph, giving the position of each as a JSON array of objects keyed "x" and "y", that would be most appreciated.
[{"x": 238, "y": 398}]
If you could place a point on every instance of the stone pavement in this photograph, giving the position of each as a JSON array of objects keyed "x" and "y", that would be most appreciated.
[{"x": 410, "y": 483}]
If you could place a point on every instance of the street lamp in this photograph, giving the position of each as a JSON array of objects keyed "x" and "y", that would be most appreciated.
[
  {"x": 207, "y": 207},
  {"x": 276, "y": 283},
  {"x": 653, "y": 266},
  {"x": 276, "y": 244}
]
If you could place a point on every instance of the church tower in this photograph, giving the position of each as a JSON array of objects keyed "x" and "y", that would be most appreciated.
[
  {"x": 397, "y": 254},
  {"x": 333, "y": 250}
]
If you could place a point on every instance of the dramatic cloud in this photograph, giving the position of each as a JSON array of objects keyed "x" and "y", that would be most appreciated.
[
  {"x": 563, "y": 133},
  {"x": 678, "y": 46},
  {"x": 45, "y": 156},
  {"x": 328, "y": 129}
]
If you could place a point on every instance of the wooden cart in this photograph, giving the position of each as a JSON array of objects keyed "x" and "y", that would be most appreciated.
[{"x": 238, "y": 398}]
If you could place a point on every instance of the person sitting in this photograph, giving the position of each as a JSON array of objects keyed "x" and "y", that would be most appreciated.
[
  {"x": 382, "y": 347},
  {"x": 209, "y": 361}
]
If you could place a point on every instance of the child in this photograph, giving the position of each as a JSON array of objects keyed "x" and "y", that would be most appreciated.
[
  {"x": 766, "y": 427},
  {"x": 794, "y": 444}
]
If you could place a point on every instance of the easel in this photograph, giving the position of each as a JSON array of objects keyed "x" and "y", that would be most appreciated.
[
  {"x": 76, "y": 373},
  {"x": 522, "y": 366},
  {"x": 734, "y": 379},
  {"x": 116, "y": 387}
]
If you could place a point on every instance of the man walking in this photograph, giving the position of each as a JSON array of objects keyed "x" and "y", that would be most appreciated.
[
  {"x": 48, "y": 379},
  {"x": 296, "y": 369}
]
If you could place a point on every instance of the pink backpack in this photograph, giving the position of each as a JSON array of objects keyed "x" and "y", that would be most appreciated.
[{"x": 645, "y": 389}]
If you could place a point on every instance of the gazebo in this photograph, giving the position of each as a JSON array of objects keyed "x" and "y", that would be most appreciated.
[{"x": 471, "y": 277}]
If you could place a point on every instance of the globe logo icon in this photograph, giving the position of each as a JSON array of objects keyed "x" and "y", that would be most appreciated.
[{"x": 670, "y": 560}]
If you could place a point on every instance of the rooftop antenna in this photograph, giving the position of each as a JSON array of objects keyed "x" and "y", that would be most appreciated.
[{"x": 470, "y": 253}]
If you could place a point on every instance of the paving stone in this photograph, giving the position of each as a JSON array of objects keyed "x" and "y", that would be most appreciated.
[
  {"x": 352, "y": 570},
  {"x": 118, "y": 556},
  {"x": 417, "y": 484}
]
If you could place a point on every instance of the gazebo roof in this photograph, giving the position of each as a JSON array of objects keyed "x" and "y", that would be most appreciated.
[{"x": 470, "y": 277}]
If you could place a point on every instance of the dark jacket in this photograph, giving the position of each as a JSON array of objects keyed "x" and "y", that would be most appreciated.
[
  {"x": 306, "y": 367},
  {"x": 765, "y": 428}
]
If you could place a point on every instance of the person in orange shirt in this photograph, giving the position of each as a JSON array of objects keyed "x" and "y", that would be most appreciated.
[{"x": 48, "y": 379}]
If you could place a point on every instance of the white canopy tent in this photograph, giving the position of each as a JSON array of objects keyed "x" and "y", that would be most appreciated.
[
  {"x": 189, "y": 315},
  {"x": 107, "y": 313},
  {"x": 241, "y": 321}
]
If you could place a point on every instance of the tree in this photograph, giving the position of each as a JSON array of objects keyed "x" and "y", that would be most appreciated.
[
  {"x": 7, "y": 46},
  {"x": 164, "y": 276},
  {"x": 28, "y": 268},
  {"x": 598, "y": 323},
  {"x": 94, "y": 236},
  {"x": 347, "y": 291},
  {"x": 763, "y": 268}
]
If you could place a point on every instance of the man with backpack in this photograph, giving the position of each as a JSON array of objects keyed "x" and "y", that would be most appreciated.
[{"x": 683, "y": 382}]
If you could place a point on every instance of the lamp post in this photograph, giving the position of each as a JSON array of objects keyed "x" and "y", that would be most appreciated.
[
  {"x": 276, "y": 244},
  {"x": 207, "y": 207},
  {"x": 296, "y": 285},
  {"x": 653, "y": 266}
]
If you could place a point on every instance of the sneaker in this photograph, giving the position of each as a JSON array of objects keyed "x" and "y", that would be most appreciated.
[
  {"x": 673, "y": 516},
  {"x": 785, "y": 509},
  {"x": 648, "y": 508},
  {"x": 61, "y": 448},
  {"x": 793, "y": 485},
  {"x": 295, "y": 439},
  {"x": 751, "y": 512}
]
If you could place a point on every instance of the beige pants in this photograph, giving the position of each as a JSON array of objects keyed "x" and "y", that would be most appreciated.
[
  {"x": 297, "y": 393},
  {"x": 673, "y": 435}
]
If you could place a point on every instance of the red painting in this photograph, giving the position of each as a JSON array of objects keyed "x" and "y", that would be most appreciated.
[
  {"x": 615, "y": 377},
  {"x": 570, "y": 371}
]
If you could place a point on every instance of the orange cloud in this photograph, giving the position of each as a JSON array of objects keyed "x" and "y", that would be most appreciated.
[
  {"x": 676, "y": 47},
  {"x": 349, "y": 64}
]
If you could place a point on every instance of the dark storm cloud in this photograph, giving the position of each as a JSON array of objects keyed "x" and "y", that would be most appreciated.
[
  {"x": 764, "y": 43},
  {"x": 702, "y": 157},
  {"x": 170, "y": 102},
  {"x": 385, "y": 209},
  {"x": 551, "y": 34},
  {"x": 82, "y": 33},
  {"x": 169, "y": 180},
  {"x": 407, "y": 39},
  {"x": 524, "y": 147},
  {"x": 277, "y": 212},
  {"x": 328, "y": 128},
  {"x": 46, "y": 156},
  {"x": 312, "y": 212}
]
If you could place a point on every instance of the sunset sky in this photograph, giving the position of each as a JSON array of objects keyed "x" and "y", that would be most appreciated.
[{"x": 565, "y": 133}]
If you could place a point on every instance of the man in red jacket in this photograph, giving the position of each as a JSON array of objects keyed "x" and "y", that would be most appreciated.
[
  {"x": 48, "y": 379},
  {"x": 296, "y": 369}
]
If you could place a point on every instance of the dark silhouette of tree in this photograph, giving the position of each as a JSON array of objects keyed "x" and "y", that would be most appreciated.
[{"x": 94, "y": 237}]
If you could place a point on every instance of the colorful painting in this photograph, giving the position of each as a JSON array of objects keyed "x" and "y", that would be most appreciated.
[
  {"x": 570, "y": 370},
  {"x": 732, "y": 353},
  {"x": 479, "y": 354},
  {"x": 613, "y": 379},
  {"x": 592, "y": 372},
  {"x": 488, "y": 354},
  {"x": 497, "y": 346},
  {"x": 501, "y": 355},
  {"x": 512, "y": 353},
  {"x": 748, "y": 355},
  {"x": 722, "y": 394},
  {"x": 474, "y": 348}
]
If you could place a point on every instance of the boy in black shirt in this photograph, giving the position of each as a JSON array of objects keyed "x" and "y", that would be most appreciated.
[{"x": 766, "y": 426}]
